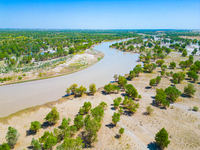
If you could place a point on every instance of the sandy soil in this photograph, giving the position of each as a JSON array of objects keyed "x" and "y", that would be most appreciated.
[
  {"x": 191, "y": 37},
  {"x": 182, "y": 124}
]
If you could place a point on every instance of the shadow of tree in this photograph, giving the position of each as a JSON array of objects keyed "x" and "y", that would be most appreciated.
[
  {"x": 30, "y": 132},
  {"x": 110, "y": 125},
  {"x": 153, "y": 146}
]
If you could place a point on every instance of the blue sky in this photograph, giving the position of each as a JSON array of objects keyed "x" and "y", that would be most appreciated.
[{"x": 95, "y": 14}]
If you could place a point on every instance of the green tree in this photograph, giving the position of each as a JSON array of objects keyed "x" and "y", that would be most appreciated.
[
  {"x": 65, "y": 123},
  {"x": 122, "y": 81},
  {"x": 50, "y": 141},
  {"x": 164, "y": 67},
  {"x": 5, "y": 146},
  {"x": 53, "y": 116},
  {"x": 158, "y": 79},
  {"x": 120, "y": 110},
  {"x": 172, "y": 93},
  {"x": 12, "y": 136},
  {"x": 116, "y": 103},
  {"x": 162, "y": 138},
  {"x": 97, "y": 113},
  {"x": 152, "y": 82},
  {"x": 92, "y": 88},
  {"x": 36, "y": 144},
  {"x": 189, "y": 90},
  {"x": 121, "y": 131},
  {"x": 71, "y": 144},
  {"x": 160, "y": 98},
  {"x": 193, "y": 75},
  {"x": 68, "y": 91},
  {"x": 131, "y": 91},
  {"x": 91, "y": 128},
  {"x": 180, "y": 76},
  {"x": 35, "y": 126},
  {"x": 115, "y": 118},
  {"x": 172, "y": 65},
  {"x": 79, "y": 121},
  {"x": 80, "y": 90},
  {"x": 86, "y": 108},
  {"x": 160, "y": 62},
  {"x": 73, "y": 88},
  {"x": 103, "y": 105}
]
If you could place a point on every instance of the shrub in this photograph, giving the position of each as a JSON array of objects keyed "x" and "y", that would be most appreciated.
[
  {"x": 116, "y": 103},
  {"x": 12, "y": 136},
  {"x": 161, "y": 138},
  {"x": 149, "y": 110},
  {"x": 163, "y": 67},
  {"x": 65, "y": 123},
  {"x": 160, "y": 98},
  {"x": 120, "y": 110},
  {"x": 180, "y": 76},
  {"x": 97, "y": 113},
  {"x": 86, "y": 108},
  {"x": 53, "y": 116},
  {"x": 195, "y": 108}
]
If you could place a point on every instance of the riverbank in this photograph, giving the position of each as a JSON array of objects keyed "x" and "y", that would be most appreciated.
[
  {"x": 140, "y": 129},
  {"x": 77, "y": 63}
]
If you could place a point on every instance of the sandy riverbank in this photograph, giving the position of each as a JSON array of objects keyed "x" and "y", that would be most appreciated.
[
  {"x": 76, "y": 63},
  {"x": 181, "y": 123}
]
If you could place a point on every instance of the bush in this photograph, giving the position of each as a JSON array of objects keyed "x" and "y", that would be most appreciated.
[
  {"x": 111, "y": 88},
  {"x": 35, "y": 126},
  {"x": 130, "y": 105},
  {"x": 189, "y": 90},
  {"x": 163, "y": 67},
  {"x": 65, "y": 123},
  {"x": 161, "y": 138},
  {"x": 12, "y": 136},
  {"x": 86, "y": 108},
  {"x": 92, "y": 88},
  {"x": 195, "y": 108},
  {"x": 120, "y": 110},
  {"x": 53, "y": 116},
  {"x": 116, "y": 103},
  {"x": 149, "y": 110}
]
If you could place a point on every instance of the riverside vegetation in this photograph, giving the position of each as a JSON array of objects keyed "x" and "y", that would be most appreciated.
[{"x": 164, "y": 69}]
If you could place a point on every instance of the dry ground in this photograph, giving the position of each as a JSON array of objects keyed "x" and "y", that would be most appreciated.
[{"x": 182, "y": 124}]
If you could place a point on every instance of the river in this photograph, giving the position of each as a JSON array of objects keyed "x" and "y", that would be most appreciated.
[{"x": 15, "y": 97}]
